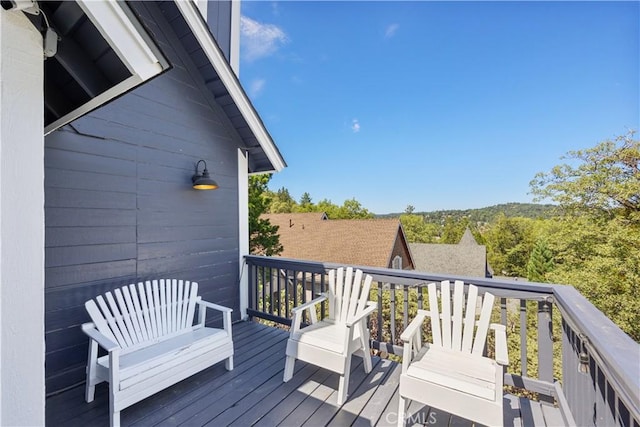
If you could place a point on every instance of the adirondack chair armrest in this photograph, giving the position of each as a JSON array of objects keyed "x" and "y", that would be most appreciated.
[
  {"x": 371, "y": 307},
  {"x": 308, "y": 304},
  {"x": 102, "y": 340},
  {"x": 296, "y": 313},
  {"x": 502, "y": 356},
  {"x": 414, "y": 326}
]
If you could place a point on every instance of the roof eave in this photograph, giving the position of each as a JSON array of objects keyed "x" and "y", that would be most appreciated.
[{"x": 200, "y": 30}]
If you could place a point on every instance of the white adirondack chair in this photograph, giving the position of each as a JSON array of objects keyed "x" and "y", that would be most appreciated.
[
  {"x": 331, "y": 342},
  {"x": 451, "y": 374}
]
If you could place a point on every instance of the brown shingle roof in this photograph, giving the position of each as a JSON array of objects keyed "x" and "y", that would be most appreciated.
[{"x": 367, "y": 242}]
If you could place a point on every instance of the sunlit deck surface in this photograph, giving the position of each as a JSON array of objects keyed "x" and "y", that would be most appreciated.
[{"x": 254, "y": 394}]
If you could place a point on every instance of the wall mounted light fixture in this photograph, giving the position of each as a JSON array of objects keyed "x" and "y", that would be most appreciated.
[{"x": 203, "y": 181}]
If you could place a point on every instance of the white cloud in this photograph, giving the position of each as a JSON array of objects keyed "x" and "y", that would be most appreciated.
[
  {"x": 391, "y": 30},
  {"x": 355, "y": 125},
  {"x": 256, "y": 87},
  {"x": 259, "y": 40}
]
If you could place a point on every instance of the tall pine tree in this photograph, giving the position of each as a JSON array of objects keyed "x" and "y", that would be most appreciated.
[{"x": 540, "y": 261}]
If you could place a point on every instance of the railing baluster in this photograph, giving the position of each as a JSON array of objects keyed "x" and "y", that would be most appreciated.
[
  {"x": 405, "y": 308},
  {"x": 523, "y": 337},
  {"x": 323, "y": 304},
  {"x": 264, "y": 285},
  {"x": 392, "y": 292},
  {"x": 380, "y": 324},
  {"x": 420, "y": 297},
  {"x": 503, "y": 311},
  {"x": 304, "y": 293},
  {"x": 545, "y": 342}
]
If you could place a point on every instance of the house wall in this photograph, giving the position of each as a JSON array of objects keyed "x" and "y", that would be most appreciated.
[
  {"x": 21, "y": 223},
  {"x": 119, "y": 204},
  {"x": 401, "y": 250}
]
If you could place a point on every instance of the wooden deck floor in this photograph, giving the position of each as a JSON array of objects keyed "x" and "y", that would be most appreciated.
[{"x": 253, "y": 394}]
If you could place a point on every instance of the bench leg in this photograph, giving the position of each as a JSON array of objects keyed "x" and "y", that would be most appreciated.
[
  {"x": 289, "y": 364},
  {"x": 228, "y": 364},
  {"x": 115, "y": 419}
]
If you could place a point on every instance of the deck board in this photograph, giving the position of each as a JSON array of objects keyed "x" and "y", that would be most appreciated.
[{"x": 253, "y": 394}]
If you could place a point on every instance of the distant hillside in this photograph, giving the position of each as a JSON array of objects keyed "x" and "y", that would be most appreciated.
[{"x": 526, "y": 210}]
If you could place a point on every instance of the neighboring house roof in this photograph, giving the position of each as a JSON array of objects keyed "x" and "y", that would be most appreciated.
[
  {"x": 467, "y": 258},
  {"x": 367, "y": 242}
]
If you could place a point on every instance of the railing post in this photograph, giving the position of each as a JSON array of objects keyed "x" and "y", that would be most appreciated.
[{"x": 545, "y": 341}]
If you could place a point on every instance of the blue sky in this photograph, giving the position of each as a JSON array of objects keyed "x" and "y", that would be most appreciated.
[{"x": 440, "y": 105}]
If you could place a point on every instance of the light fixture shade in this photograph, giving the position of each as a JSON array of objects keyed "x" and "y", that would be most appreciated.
[{"x": 203, "y": 181}]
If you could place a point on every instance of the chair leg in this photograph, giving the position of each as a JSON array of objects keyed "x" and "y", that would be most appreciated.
[
  {"x": 402, "y": 406},
  {"x": 114, "y": 416},
  {"x": 90, "y": 391},
  {"x": 364, "y": 343},
  {"x": 343, "y": 385},
  {"x": 289, "y": 364},
  {"x": 91, "y": 372}
]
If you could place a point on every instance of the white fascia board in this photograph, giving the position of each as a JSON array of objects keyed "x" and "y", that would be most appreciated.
[
  {"x": 200, "y": 30},
  {"x": 123, "y": 37}
]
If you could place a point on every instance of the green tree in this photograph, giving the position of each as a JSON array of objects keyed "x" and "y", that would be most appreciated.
[
  {"x": 263, "y": 236},
  {"x": 417, "y": 230},
  {"x": 509, "y": 244},
  {"x": 282, "y": 202},
  {"x": 453, "y": 230},
  {"x": 352, "y": 209},
  {"x": 606, "y": 180},
  {"x": 332, "y": 210},
  {"x": 409, "y": 209},
  {"x": 305, "y": 204},
  {"x": 596, "y": 241},
  {"x": 540, "y": 262}
]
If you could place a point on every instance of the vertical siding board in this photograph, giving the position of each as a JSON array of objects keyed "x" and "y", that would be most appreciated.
[{"x": 119, "y": 203}]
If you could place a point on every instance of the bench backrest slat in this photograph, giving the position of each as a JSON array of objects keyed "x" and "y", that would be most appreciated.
[{"x": 156, "y": 308}]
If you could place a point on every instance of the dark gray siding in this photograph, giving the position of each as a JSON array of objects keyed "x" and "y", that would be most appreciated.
[
  {"x": 219, "y": 20},
  {"x": 119, "y": 206}
]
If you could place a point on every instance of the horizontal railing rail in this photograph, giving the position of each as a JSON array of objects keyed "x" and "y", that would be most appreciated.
[{"x": 604, "y": 390}]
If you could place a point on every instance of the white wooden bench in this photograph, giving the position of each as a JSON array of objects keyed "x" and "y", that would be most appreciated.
[{"x": 151, "y": 341}]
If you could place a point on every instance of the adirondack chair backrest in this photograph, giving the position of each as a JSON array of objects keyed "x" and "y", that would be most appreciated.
[
  {"x": 155, "y": 309},
  {"x": 348, "y": 294},
  {"x": 453, "y": 324}
]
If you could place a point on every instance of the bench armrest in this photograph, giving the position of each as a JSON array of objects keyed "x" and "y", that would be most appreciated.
[
  {"x": 371, "y": 307},
  {"x": 215, "y": 306},
  {"x": 99, "y": 337},
  {"x": 502, "y": 356},
  {"x": 226, "y": 314}
]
